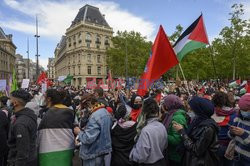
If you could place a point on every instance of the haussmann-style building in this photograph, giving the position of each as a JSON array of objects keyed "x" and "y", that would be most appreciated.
[
  {"x": 81, "y": 52},
  {"x": 7, "y": 55}
]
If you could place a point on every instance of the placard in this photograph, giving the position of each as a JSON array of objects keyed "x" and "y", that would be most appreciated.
[
  {"x": 3, "y": 85},
  {"x": 25, "y": 83}
]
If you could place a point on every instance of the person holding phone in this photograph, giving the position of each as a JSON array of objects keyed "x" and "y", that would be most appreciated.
[{"x": 200, "y": 139}]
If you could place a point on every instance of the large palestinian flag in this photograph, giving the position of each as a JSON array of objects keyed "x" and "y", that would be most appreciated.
[
  {"x": 55, "y": 137},
  {"x": 194, "y": 37}
]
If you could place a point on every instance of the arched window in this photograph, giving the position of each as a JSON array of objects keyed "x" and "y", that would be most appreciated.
[{"x": 88, "y": 37}]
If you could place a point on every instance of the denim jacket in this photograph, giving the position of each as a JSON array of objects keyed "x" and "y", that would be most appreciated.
[{"x": 96, "y": 138}]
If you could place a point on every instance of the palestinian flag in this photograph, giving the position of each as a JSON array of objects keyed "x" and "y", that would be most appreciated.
[
  {"x": 68, "y": 79},
  {"x": 234, "y": 83},
  {"x": 194, "y": 37},
  {"x": 55, "y": 137}
]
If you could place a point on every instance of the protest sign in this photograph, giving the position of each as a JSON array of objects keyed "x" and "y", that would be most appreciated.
[
  {"x": 25, "y": 83},
  {"x": 3, "y": 85}
]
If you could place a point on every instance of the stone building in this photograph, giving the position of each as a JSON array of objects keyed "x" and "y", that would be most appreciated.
[
  {"x": 51, "y": 69},
  {"x": 82, "y": 51},
  {"x": 7, "y": 55},
  {"x": 22, "y": 69}
]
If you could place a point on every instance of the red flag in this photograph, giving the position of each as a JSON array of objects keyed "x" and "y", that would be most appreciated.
[
  {"x": 248, "y": 86},
  {"x": 44, "y": 79},
  {"x": 41, "y": 78},
  {"x": 162, "y": 59}
]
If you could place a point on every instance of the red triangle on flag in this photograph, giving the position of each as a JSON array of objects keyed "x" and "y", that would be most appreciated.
[{"x": 199, "y": 33}]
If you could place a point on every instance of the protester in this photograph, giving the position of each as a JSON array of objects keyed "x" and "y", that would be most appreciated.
[
  {"x": 136, "y": 105},
  {"x": 200, "y": 139},
  {"x": 56, "y": 138},
  {"x": 95, "y": 138},
  {"x": 224, "y": 116},
  {"x": 152, "y": 140},
  {"x": 122, "y": 134},
  {"x": 240, "y": 131},
  {"x": 174, "y": 111},
  {"x": 23, "y": 132},
  {"x": 99, "y": 94},
  {"x": 4, "y": 129}
]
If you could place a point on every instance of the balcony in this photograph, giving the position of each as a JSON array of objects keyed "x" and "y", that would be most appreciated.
[
  {"x": 88, "y": 40},
  {"x": 98, "y": 42},
  {"x": 107, "y": 43}
]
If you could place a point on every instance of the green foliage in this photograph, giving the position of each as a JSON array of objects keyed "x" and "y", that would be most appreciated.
[
  {"x": 138, "y": 50},
  {"x": 232, "y": 45}
]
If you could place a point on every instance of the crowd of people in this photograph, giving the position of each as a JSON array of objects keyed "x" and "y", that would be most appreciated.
[{"x": 206, "y": 125}]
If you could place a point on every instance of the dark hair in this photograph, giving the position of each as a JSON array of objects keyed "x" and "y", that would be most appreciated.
[
  {"x": 21, "y": 94},
  {"x": 56, "y": 96},
  {"x": 67, "y": 100},
  {"x": 4, "y": 100},
  {"x": 120, "y": 112},
  {"x": 87, "y": 97},
  {"x": 150, "y": 107},
  {"x": 221, "y": 99},
  {"x": 99, "y": 91}
]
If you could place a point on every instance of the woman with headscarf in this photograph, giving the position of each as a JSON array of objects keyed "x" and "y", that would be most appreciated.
[
  {"x": 152, "y": 139},
  {"x": 122, "y": 136},
  {"x": 174, "y": 111},
  {"x": 200, "y": 139},
  {"x": 224, "y": 116},
  {"x": 135, "y": 104}
]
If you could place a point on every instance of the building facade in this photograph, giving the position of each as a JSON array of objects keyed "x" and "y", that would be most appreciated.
[
  {"x": 25, "y": 66},
  {"x": 7, "y": 55},
  {"x": 51, "y": 69},
  {"x": 82, "y": 51}
]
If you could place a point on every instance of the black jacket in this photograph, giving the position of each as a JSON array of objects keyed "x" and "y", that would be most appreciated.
[
  {"x": 201, "y": 145},
  {"x": 22, "y": 138},
  {"x": 4, "y": 127},
  {"x": 122, "y": 144}
]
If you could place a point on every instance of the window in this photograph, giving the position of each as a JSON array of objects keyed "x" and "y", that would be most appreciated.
[
  {"x": 88, "y": 44},
  {"x": 74, "y": 71},
  {"x": 79, "y": 38},
  {"x": 106, "y": 41},
  {"x": 98, "y": 39},
  {"x": 89, "y": 58},
  {"x": 98, "y": 58},
  {"x": 79, "y": 70},
  {"x": 99, "y": 72},
  {"x": 88, "y": 37},
  {"x": 89, "y": 70},
  {"x": 97, "y": 46}
]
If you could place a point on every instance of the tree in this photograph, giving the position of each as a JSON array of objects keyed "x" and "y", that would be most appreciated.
[
  {"x": 172, "y": 38},
  {"x": 137, "y": 49},
  {"x": 231, "y": 48}
]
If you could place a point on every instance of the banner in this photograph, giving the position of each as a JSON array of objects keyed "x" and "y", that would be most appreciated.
[
  {"x": 3, "y": 85},
  {"x": 25, "y": 83}
]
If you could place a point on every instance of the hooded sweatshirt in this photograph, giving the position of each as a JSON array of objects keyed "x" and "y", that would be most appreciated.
[{"x": 22, "y": 138}]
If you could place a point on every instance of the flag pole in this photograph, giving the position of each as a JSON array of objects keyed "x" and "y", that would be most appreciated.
[
  {"x": 185, "y": 81},
  {"x": 212, "y": 57}
]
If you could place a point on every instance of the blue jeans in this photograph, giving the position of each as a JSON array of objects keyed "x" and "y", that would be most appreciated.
[{"x": 99, "y": 161}]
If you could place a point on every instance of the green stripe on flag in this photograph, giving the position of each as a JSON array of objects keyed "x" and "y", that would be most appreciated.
[
  {"x": 190, "y": 46},
  {"x": 60, "y": 158}
]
